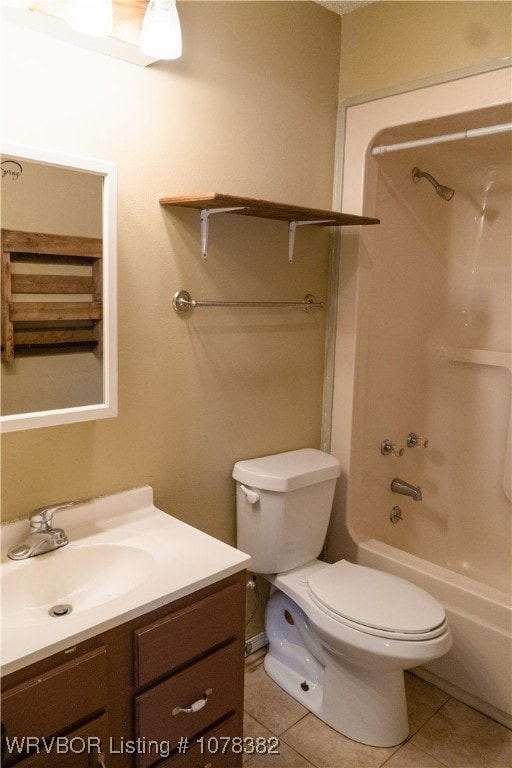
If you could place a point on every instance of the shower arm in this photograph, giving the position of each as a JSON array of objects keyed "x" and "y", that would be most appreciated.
[
  {"x": 445, "y": 192},
  {"x": 417, "y": 175}
]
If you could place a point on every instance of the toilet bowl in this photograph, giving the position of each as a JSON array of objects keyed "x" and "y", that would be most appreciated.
[
  {"x": 340, "y": 635},
  {"x": 348, "y": 672}
]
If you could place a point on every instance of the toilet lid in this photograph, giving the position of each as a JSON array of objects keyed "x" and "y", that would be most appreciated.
[{"x": 375, "y": 599}]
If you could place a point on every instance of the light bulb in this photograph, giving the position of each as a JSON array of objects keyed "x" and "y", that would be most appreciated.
[
  {"x": 91, "y": 17},
  {"x": 160, "y": 36}
]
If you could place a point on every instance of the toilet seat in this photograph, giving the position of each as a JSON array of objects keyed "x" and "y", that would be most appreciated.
[{"x": 376, "y": 603}]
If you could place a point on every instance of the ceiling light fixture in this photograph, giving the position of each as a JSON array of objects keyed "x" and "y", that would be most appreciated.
[
  {"x": 160, "y": 36},
  {"x": 91, "y": 17},
  {"x": 157, "y": 33}
]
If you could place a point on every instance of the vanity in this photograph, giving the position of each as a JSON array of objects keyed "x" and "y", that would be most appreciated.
[{"x": 145, "y": 668}]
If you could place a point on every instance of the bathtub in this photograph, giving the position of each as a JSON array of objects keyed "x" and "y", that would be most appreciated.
[
  {"x": 422, "y": 310},
  {"x": 478, "y": 669}
]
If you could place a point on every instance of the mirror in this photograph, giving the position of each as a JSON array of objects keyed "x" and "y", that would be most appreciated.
[{"x": 59, "y": 325}]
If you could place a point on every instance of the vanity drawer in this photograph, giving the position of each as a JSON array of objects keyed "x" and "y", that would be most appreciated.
[
  {"x": 170, "y": 643},
  {"x": 215, "y": 749},
  {"x": 218, "y": 673},
  {"x": 56, "y": 700}
]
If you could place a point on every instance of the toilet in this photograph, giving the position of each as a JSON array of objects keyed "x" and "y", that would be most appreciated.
[{"x": 340, "y": 635}]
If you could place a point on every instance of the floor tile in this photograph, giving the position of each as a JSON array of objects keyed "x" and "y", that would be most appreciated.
[
  {"x": 269, "y": 704},
  {"x": 326, "y": 748},
  {"x": 460, "y": 737},
  {"x": 287, "y": 758},
  {"x": 254, "y": 730},
  {"x": 409, "y": 756},
  {"x": 423, "y": 701}
]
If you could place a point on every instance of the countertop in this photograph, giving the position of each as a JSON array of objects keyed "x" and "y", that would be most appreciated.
[{"x": 175, "y": 560}]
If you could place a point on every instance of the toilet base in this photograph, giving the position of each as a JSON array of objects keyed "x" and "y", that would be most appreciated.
[
  {"x": 365, "y": 704},
  {"x": 307, "y": 692},
  {"x": 355, "y": 704}
]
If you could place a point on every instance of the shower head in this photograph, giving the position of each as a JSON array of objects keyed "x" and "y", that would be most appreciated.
[{"x": 445, "y": 192}]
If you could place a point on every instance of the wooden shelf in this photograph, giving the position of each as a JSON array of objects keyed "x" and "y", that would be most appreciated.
[
  {"x": 264, "y": 209},
  {"x": 295, "y": 215},
  {"x": 49, "y": 326}
]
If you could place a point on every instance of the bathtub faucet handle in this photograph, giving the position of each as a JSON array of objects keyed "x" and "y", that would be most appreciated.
[
  {"x": 387, "y": 448},
  {"x": 413, "y": 441}
]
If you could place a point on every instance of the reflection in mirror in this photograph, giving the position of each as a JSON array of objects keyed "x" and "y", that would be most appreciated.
[{"x": 58, "y": 288}]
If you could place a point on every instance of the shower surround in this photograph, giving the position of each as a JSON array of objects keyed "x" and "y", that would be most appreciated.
[{"x": 431, "y": 354}]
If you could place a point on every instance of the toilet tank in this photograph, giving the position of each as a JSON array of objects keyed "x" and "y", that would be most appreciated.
[{"x": 283, "y": 506}]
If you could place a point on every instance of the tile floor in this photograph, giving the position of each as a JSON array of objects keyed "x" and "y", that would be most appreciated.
[{"x": 444, "y": 732}]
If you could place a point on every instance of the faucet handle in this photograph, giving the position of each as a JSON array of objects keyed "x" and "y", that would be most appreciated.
[
  {"x": 387, "y": 448},
  {"x": 413, "y": 441},
  {"x": 41, "y": 518}
]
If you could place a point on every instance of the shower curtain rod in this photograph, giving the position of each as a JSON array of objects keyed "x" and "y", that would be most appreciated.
[{"x": 471, "y": 133}]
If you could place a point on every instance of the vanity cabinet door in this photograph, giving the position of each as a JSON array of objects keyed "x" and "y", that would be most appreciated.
[
  {"x": 84, "y": 747},
  {"x": 53, "y": 702}
]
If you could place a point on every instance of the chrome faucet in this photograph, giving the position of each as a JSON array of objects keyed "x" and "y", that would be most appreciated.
[
  {"x": 406, "y": 489},
  {"x": 42, "y": 538}
]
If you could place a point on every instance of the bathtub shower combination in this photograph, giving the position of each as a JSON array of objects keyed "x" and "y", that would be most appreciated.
[{"x": 433, "y": 359}]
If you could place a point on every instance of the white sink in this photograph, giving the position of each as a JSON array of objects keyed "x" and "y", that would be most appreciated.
[
  {"x": 125, "y": 558},
  {"x": 73, "y": 578}
]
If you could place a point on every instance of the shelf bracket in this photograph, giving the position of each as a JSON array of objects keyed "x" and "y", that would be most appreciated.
[
  {"x": 205, "y": 214},
  {"x": 293, "y": 228}
]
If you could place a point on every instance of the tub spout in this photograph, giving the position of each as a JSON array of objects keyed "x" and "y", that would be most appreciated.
[{"x": 406, "y": 489}]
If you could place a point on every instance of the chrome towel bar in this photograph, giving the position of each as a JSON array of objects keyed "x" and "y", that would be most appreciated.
[{"x": 182, "y": 302}]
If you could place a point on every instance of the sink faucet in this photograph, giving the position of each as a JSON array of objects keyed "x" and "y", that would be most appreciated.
[
  {"x": 401, "y": 486},
  {"x": 42, "y": 538}
]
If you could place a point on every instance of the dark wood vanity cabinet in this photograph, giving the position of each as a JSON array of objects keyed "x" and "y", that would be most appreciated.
[{"x": 164, "y": 689}]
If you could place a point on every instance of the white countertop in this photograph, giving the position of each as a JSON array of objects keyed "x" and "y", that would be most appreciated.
[{"x": 173, "y": 559}]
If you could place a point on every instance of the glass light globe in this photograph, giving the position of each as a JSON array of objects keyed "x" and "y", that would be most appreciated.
[{"x": 160, "y": 36}]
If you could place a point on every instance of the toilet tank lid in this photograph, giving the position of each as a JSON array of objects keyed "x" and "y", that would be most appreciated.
[{"x": 287, "y": 471}]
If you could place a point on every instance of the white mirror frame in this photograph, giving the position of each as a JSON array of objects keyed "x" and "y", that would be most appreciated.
[{"x": 108, "y": 407}]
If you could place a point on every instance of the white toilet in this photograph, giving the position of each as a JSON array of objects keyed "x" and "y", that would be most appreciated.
[{"x": 339, "y": 635}]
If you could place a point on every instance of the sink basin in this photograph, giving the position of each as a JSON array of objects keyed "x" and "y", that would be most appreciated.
[
  {"x": 79, "y": 577},
  {"x": 125, "y": 557}
]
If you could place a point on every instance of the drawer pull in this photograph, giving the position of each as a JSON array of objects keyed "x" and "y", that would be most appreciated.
[{"x": 195, "y": 707}]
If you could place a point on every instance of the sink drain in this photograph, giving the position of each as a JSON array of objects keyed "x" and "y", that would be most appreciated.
[{"x": 60, "y": 610}]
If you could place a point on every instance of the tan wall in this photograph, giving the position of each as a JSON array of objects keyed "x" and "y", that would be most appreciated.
[
  {"x": 391, "y": 43},
  {"x": 250, "y": 109}
]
